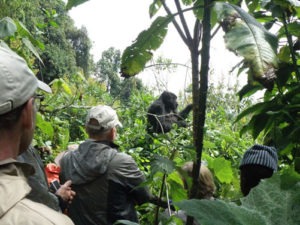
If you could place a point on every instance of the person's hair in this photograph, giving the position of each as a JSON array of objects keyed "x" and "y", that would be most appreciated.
[
  {"x": 9, "y": 119},
  {"x": 251, "y": 176},
  {"x": 207, "y": 185}
]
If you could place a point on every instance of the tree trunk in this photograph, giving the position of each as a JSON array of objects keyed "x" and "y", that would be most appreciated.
[{"x": 200, "y": 97}]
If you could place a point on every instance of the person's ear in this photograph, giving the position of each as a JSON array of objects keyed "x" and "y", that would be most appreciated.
[{"x": 28, "y": 114}]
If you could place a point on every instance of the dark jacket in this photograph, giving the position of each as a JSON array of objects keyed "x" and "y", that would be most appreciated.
[
  {"x": 106, "y": 183},
  {"x": 38, "y": 181}
]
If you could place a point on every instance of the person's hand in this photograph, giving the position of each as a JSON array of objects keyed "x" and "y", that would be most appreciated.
[{"x": 65, "y": 192}]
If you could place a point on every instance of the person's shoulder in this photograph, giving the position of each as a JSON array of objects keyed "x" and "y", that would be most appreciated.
[
  {"x": 123, "y": 161},
  {"x": 123, "y": 167},
  {"x": 122, "y": 156}
]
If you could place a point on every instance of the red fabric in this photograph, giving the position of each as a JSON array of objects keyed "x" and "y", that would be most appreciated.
[{"x": 52, "y": 172}]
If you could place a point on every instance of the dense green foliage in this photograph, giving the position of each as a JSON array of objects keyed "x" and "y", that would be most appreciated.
[
  {"x": 52, "y": 37},
  {"x": 277, "y": 116},
  {"x": 273, "y": 201}
]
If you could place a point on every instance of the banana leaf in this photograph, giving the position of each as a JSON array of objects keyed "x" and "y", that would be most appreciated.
[
  {"x": 139, "y": 53},
  {"x": 248, "y": 38},
  {"x": 73, "y": 3}
]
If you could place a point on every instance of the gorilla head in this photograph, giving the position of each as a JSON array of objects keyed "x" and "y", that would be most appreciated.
[{"x": 169, "y": 99}]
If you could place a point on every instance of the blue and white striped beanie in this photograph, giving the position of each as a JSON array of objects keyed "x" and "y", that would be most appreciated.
[{"x": 261, "y": 155}]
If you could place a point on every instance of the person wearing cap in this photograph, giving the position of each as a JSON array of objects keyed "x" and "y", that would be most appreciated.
[
  {"x": 107, "y": 182},
  {"x": 17, "y": 122},
  {"x": 259, "y": 162}
]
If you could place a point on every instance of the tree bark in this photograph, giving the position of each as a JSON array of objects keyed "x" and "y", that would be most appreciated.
[{"x": 200, "y": 97}]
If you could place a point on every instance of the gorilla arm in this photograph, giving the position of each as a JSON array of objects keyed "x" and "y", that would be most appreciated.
[
  {"x": 183, "y": 115},
  {"x": 185, "y": 112}
]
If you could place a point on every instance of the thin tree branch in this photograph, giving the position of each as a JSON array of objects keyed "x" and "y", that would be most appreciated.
[
  {"x": 215, "y": 32},
  {"x": 183, "y": 21},
  {"x": 197, "y": 34},
  {"x": 176, "y": 25},
  {"x": 163, "y": 64},
  {"x": 290, "y": 42}
]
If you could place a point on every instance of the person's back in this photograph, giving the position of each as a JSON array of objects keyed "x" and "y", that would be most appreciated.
[
  {"x": 17, "y": 120},
  {"x": 16, "y": 208},
  {"x": 106, "y": 181}
]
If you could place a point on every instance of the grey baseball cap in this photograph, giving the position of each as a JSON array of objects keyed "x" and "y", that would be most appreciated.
[
  {"x": 17, "y": 82},
  {"x": 106, "y": 116}
]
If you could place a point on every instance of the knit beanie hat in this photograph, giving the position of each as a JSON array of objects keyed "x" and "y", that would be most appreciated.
[{"x": 261, "y": 155}]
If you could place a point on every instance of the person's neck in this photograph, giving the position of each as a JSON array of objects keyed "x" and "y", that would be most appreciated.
[
  {"x": 99, "y": 138},
  {"x": 9, "y": 145}
]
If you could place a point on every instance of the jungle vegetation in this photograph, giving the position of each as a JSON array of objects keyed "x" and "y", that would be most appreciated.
[{"x": 225, "y": 121}]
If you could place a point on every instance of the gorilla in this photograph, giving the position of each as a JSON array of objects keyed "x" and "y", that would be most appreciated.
[{"x": 162, "y": 113}]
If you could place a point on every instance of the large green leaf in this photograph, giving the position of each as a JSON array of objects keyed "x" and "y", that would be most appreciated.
[
  {"x": 260, "y": 122},
  {"x": 45, "y": 127},
  {"x": 289, "y": 178},
  {"x": 286, "y": 3},
  {"x": 248, "y": 90},
  {"x": 7, "y": 27},
  {"x": 278, "y": 203},
  {"x": 284, "y": 73},
  {"x": 73, "y": 3},
  {"x": 252, "y": 4},
  {"x": 29, "y": 45},
  {"x": 199, "y": 10},
  {"x": 136, "y": 56},
  {"x": 293, "y": 29},
  {"x": 24, "y": 33},
  {"x": 219, "y": 212},
  {"x": 162, "y": 164},
  {"x": 177, "y": 192},
  {"x": 59, "y": 84},
  {"x": 256, "y": 109},
  {"x": 278, "y": 113},
  {"x": 272, "y": 202},
  {"x": 154, "y": 7},
  {"x": 249, "y": 39},
  {"x": 222, "y": 170}
]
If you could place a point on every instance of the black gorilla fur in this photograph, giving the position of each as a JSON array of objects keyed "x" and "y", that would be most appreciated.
[{"x": 162, "y": 113}]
